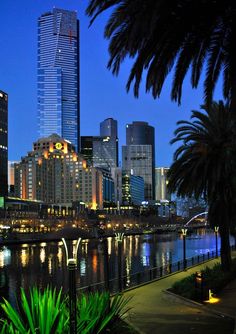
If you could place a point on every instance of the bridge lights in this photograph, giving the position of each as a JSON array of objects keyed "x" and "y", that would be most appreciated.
[
  {"x": 216, "y": 229},
  {"x": 184, "y": 232}
]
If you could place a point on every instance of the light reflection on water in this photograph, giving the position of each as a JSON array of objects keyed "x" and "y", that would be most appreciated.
[{"x": 42, "y": 264}]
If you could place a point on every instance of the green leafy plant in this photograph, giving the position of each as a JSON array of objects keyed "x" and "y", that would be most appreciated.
[
  {"x": 43, "y": 312},
  {"x": 47, "y": 313},
  {"x": 96, "y": 313}
]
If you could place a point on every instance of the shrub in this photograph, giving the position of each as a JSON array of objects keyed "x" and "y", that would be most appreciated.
[
  {"x": 214, "y": 279},
  {"x": 43, "y": 312},
  {"x": 47, "y": 313},
  {"x": 97, "y": 313}
]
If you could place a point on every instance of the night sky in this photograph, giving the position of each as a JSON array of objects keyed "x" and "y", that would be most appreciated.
[{"x": 102, "y": 94}]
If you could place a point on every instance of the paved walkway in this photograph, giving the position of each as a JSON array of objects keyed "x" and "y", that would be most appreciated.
[{"x": 154, "y": 311}]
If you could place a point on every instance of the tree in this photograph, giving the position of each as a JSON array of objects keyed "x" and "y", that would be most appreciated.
[
  {"x": 161, "y": 35},
  {"x": 204, "y": 165}
]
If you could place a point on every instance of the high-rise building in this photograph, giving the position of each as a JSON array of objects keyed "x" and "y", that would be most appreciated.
[
  {"x": 132, "y": 189},
  {"x": 55, "y": 174},
  {"x": 116, "y": 174},
  {"x": 138, "y": 156},
  {"x": 161, "y": 184},
  {"x": 58, "y": 75},
  {"x": 3, "y": 143},
  {"x": 11, "y": 177},
  {"x": 102, "y": 151}
]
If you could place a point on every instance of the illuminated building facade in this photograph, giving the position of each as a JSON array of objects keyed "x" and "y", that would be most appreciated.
[
  {"x": 138, "y": 156},
  {"x": 108, "y": 190},
  {"x": 137, "y": 160},
  {"x": 161, "y": 184},
  {"x": 3, "y": 143},
  {"x": 132, "y": 189},
  {"x": 58, "y": 75},
  {"x": 116, "y": 174},
  {"x": 11, "y": 177},
  {"x": 54, "y": 173}
]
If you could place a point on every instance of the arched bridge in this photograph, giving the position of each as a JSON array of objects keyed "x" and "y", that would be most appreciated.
[{"x": 196, "y": 216}]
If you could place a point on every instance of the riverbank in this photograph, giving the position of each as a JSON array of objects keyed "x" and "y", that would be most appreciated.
[
  {"x": 72, "y": 233},
  {"x": 69, "y": 234}
]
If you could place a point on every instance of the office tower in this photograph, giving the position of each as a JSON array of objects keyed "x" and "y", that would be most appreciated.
[
  {"x": 161, "y": 184},
  {"x": 3, "y": 143},
  {"x": 138, "y": 156},
  {"x": 11, "y": 177},
  {"x": 58, "y": 75},
  {"x": 116, "y": 174},
  {"x": 86, "y": 149},
  {"x": 55, "y": 174},
  {"x": 102, "y": 151},
  {"x": 132, "y": 189}
]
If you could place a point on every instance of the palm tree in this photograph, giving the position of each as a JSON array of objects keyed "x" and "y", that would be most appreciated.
[
  {"x": 161, "y": 35},
  {"x": 203, "y": 165}
]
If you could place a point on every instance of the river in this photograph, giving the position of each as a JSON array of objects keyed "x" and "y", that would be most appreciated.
[{"x": 45, "y": 263}]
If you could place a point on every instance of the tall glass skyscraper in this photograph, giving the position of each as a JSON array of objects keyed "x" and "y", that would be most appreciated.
[
  {"x": 102, "y": 151},
  {"x": 3, "y": 142},
  {"x": 58, "y": 75},
  {"x": 138, "y": 156}
]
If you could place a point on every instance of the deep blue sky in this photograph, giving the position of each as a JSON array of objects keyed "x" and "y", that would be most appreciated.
[{"x": 102, "y": 95}]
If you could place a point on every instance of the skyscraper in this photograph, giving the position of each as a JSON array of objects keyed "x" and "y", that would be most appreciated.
[
  {"x": 58, "y": 75},
  {"x": 3, "y": 143},
  {"x": 102, "y": 151},
  {"x": 138, "y": 156},
  {"x": 161, "y": 184}
]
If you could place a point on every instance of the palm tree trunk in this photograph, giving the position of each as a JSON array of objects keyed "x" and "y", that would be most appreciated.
[{"x": 225, "y": 247}]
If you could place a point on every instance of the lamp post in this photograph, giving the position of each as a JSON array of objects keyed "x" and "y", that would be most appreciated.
[
  {"x": 216, "y": 229},
  {"x": 119, "y": 240},
  {"x": 184, "y": 232},
  {"x": 72, "y": 266},
  {"x": 106, "y": 263}
]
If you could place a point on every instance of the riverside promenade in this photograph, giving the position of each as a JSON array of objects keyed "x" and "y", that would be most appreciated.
[{"x": 155, "y": 311}]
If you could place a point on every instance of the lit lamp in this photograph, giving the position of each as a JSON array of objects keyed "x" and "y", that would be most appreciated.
[
  {"x": 216, "y": 229},
  {"x": 119, "y": 240},
  {"x": 184, "y": 232},
  {"x": 72, "y": 266}
]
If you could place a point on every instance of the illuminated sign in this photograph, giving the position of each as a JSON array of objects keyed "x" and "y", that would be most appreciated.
[{"x": 58, "y": 146}]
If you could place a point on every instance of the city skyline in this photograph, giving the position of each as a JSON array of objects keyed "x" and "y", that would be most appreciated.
[{"x": 102, "y": 95}]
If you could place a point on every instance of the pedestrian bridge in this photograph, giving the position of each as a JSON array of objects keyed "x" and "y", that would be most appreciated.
[{"x": 190, "y": 222}]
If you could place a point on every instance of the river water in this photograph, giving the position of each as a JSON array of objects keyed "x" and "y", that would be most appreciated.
[{"x": 45, "y": 263}]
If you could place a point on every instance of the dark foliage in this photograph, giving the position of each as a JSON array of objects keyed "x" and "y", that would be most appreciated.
[
  {"x": 204, "y": 165},
  {"x": 164, "y": 34}
]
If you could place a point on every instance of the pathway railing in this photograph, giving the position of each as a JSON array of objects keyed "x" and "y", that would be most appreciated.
[{"x": 142, "y": 277}]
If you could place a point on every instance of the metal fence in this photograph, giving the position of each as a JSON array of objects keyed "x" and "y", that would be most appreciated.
[{"x": 142, "y": 277}]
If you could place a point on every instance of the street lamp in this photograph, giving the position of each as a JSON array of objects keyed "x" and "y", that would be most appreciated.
[
  {"x": 72, "y": 266},
  {"x": 106, "y": 263},
  {"x": 216, "y": 229},
  {"x": 184, "y": 232},
  {"x": 119, "y": 240}
]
